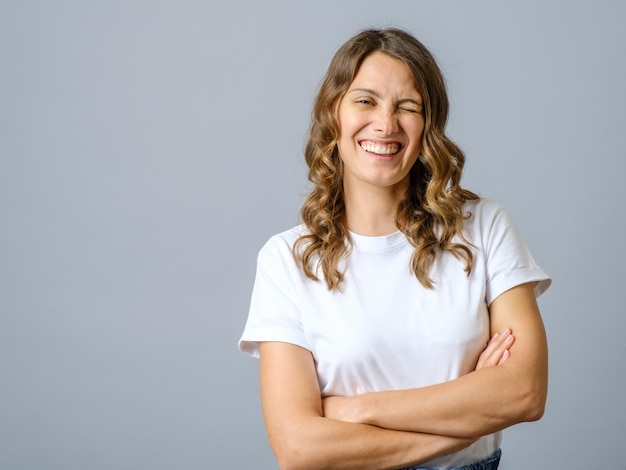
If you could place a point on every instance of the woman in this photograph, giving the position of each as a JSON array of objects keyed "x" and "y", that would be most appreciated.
[{"x": 397, "y": 327}]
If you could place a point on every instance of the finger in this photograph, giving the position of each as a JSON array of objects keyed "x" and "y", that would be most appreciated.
[
  {"x": 492, "y": 355},
  {"x": 505, "y": 356},
  {"x": 501, "y": 341},
  {"x": 490, "y": 358},
  {"x": 495, "y": 343}
]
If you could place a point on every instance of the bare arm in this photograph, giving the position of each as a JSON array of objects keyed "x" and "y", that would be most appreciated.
[
  {"x": 302, "y": 438},
  {"x": 484, "y": 401}
]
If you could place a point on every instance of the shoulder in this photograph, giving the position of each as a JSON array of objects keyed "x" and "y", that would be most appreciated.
[
  {"x": 486, "y": 221},
  {"x": 280, "y": 245},
  {"x": 284, "y": 240},
  {"x": 483, "y": 209}
]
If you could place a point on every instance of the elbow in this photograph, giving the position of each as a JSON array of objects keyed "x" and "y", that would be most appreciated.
[
  {"x": 288, "y": 458},
  {"x": 287, "y": 461},
  {"x": 294, "y": 461},
  {"x": 301, "y": 446},
  {"x": 533, "y": 404},
  {"x": 292, "y": 454},
  {"x": 535, "y": 408}
]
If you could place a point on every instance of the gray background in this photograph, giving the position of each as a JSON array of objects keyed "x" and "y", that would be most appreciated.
[{"x": 149, "y": 148}]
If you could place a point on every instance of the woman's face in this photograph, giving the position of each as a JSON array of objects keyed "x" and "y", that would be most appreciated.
[{"x": 381, "y": 124}]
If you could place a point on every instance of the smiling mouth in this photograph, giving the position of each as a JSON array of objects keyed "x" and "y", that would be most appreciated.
[{"x": 381, "y": 149}]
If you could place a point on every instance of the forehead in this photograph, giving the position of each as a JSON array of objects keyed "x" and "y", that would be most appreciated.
[{"x": 381, "y": 72}]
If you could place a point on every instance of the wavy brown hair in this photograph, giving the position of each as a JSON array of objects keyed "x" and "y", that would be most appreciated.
[{"x": 431, "y": 212}]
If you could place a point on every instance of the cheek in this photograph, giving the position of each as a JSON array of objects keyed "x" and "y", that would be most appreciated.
[
  {"x": 416, "y": 128},
  {"x": 417, "y": 136},
  {"x": 348, "y": 125},
  {"x": 416, "y": 144}
]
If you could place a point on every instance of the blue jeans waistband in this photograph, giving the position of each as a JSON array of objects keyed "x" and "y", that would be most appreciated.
[{"x": 490, "y": 463}]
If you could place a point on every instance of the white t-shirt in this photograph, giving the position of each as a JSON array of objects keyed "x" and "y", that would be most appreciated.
[{"x": 384, "y": 330}]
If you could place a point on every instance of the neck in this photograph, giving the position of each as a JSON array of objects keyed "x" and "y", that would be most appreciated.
[{"x": 373, "y": 212}]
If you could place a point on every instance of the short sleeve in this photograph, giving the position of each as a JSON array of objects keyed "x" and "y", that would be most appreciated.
[
  {"x": 274, "y": 314},
  {"x": 509, "y": 261}
]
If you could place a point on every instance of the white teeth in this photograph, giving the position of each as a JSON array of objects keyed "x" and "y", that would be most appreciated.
[{"x": 388, "y": 149}]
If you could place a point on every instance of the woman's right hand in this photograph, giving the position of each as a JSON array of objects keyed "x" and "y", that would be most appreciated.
[{"x": 497, "y": 350}]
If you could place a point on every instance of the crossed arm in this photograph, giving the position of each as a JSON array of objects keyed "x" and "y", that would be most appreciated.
[{"x": 386, "y": 430}]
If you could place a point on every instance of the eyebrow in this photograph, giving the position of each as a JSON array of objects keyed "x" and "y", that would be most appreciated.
[{"x": 375, "y": 94}]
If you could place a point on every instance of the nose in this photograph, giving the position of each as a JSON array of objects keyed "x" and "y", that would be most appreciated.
[{"x": 386, "y": 121}]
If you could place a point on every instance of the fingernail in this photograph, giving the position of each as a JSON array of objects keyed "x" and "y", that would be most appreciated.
[
  {"x": 506, "y": 331},
  {"x": 508, "y": 339}
]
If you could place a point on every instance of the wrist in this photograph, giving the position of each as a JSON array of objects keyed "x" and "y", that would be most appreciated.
[{"x": 366, "y": 408}]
